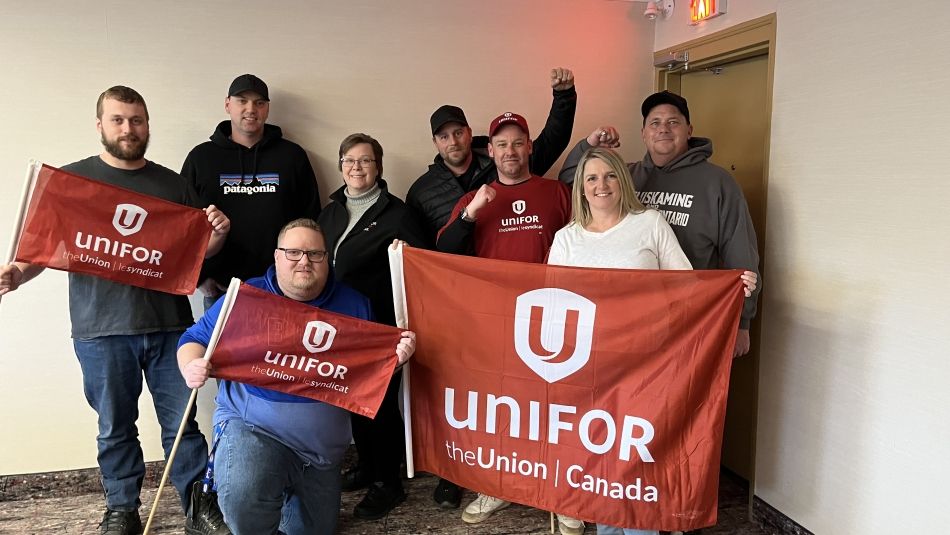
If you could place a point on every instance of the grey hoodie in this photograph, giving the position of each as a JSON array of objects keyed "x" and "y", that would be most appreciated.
[{"x": 704, "y": 205}]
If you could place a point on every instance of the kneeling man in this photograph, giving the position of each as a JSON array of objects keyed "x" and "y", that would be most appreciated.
[{"x": 277, "y": 463}]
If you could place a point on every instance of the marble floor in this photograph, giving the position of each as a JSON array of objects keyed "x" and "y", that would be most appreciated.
[{"x": 81, "y": 513}]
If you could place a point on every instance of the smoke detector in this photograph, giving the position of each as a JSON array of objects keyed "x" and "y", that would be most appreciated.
[{"x": 658, "y": 9}]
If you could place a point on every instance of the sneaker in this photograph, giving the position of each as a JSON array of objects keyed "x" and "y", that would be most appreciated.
[
  {"x": 482, "y": 508},
  {"x": 379, "y": 501},
  {"x": 447, "y": 495},
  {"x": 204, "y": 517},
  {"x": 355, "y": 478},
  {"x": 120, "y": 523},
  {"x": 570, "y": 526}
]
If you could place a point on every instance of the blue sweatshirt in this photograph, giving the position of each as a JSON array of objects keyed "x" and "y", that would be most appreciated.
[{"x": 317, "y": 431}]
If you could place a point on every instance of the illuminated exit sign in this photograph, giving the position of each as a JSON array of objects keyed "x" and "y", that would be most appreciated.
[{"x": 700, "y": 10}]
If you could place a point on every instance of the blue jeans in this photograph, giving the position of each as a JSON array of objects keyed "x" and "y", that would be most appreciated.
[
  {"x": 112, "y": 371},
  {"x": 603, "y": 529},
  {"x": 264, "y": 486}
]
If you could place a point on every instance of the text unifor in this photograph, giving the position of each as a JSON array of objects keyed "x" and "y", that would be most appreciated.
[
  {"x": 635, "y": 432},
  {"x": 118, "y": 249}
]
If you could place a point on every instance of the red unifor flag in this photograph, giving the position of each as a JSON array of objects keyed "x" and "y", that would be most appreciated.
[
  {"x": 596, "y": 393},
  {"x": 281, "y": 344},
  {"x": 85, "y": 226}
]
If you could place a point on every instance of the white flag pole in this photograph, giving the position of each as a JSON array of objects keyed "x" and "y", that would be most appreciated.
[
  {"x": 32, "y": 169},
  {"x": 402, "y": 321},
  {"x": 226, "y": 307}
]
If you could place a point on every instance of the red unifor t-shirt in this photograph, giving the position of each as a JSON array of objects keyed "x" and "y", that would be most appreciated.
[{"x": 519, "y": 224}]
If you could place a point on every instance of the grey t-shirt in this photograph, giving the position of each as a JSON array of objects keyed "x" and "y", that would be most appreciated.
[{"x": 98, "y": 307}]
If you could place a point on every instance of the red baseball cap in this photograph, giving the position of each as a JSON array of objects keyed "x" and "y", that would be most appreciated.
[{"x": 505, "y": 119}]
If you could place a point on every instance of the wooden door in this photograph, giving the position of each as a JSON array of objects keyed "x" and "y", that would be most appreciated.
[{"x": 728, "y": 104}]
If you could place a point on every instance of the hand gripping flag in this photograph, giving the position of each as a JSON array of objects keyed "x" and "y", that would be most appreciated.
[
  {"x": 85, "y": 226},
  {"x": 596, "y": 393},
  {"x": 281, "y": 344}
]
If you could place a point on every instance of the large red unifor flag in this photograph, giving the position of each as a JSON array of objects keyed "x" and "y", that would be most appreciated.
[
  {"x": 595, "y": 393},
  {"x": 85, "y": 226},
  {"x": 281, "y": 344}
]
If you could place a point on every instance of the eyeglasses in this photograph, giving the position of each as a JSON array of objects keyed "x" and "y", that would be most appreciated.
[
  {"x": 294, "y": 255},
  {"x": 350, "y": 162}
]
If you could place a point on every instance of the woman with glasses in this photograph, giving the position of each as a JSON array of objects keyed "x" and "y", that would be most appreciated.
[
  {"x": 612, "y": 229},
  {"x": 360, "y": 222}
]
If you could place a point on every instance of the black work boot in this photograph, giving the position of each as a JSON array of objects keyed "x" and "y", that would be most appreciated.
[
  {"x": 204, "y": 517},
  {"x": 120, "y": 523},
  {"x": 355, "y": 478},
  {"x": 379, "y": 501},
  {"x": 447, "y": 495}
]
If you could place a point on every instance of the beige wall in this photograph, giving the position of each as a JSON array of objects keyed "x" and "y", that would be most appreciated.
[
  {"x": 852, "y": 431},
  {"x": 333, "y": 68}
]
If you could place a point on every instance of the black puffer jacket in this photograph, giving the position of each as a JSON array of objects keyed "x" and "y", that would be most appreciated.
[
  {"x": 435, "y": 193},
  {"x": 362, "y": 261}
]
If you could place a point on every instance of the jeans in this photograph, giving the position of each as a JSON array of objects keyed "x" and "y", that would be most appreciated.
[
  {"x": 264, "y": 486},
  {"x": 112, "y": 371},
  {"x": 610, "y": 530}
]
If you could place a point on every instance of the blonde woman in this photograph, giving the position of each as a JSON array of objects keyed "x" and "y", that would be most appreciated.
[{"x": 612, "y": 229}]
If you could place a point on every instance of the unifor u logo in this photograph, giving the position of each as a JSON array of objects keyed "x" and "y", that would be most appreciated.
[
  {"x": 554, "y": 329},
  {"x": 128, "y": 218},
  {"x": 318, "y": 336},
  {"x": 518, "y": 206}
]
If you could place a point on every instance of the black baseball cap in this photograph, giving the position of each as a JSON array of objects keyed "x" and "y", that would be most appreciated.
[
  {"x": 665, "y": 97},
  {"x": 446, "y": 114},
  {"x": 248, "y": 82}
]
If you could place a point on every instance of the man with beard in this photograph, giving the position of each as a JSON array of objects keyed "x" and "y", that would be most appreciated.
[
  {"x": 260, "y": 179},
  {"x": 278, "y": 457},
  {"x": 122, "y": 333}
]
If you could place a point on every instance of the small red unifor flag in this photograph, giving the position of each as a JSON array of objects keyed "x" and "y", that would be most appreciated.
[
  {"x": 281, "y": 344},
  {"x": 85, "y": 226}
]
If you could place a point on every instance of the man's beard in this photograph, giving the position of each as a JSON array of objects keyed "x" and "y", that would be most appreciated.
[
  {"x": 301, "y": 285},
  {"x": 133, "y": 152},
  {"x": 306, "y": 285},
  {"x": 456, "y": 157},
  {"x": 512, "y": 170}
]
